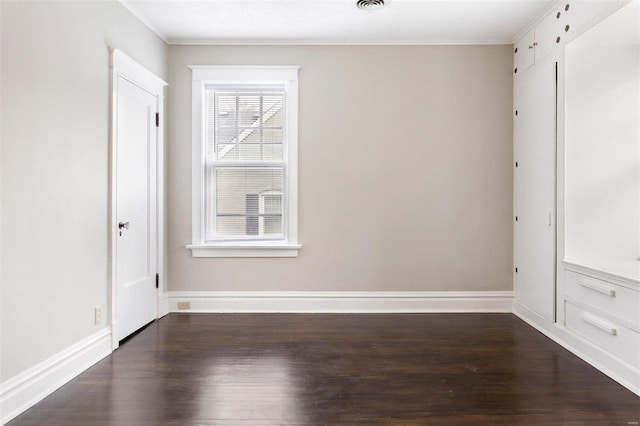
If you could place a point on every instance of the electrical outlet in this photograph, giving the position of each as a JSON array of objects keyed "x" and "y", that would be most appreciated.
[
  {"x": 184, "y": 305},
  {"x": 97, "y": 315}
]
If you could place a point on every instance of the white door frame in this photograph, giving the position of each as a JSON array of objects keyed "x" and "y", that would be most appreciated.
[{"x": 125, "y": 67}]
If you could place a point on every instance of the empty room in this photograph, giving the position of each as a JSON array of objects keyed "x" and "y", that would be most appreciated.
[{"x": 297, "y": 212}]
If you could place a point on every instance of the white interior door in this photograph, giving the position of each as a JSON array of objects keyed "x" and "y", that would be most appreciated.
[
  {"x": 535, "y": 188},
  {"x": 135, "y": 207}
]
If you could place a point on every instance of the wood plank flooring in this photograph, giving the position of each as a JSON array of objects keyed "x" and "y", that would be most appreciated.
[{"x": 263, "y": 369}]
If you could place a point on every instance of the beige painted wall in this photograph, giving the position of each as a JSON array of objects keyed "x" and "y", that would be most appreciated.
[
  {"x": 55, "y": 121},
  {"x": 405, "y": 170}
]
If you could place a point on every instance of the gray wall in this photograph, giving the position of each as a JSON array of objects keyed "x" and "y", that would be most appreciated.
[
  {"x": 55, "y": 122},
  {"x": 405, "y": 170}
]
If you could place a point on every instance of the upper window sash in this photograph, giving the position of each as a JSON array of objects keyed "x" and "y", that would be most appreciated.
[{"x": 231, "y": 131}]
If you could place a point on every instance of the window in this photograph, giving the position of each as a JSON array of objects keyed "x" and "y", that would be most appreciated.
[
  {"x": 244, "y": 137},
  {"x": 271, "y": 211},
  {"x": 244, "y": 161}
]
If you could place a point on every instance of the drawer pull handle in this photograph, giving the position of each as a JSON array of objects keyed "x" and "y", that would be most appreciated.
[
  {"x": 599, "y": 288},
  {"x": 597, "y": 323}
]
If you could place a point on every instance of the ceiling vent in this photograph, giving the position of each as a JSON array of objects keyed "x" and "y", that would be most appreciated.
[{"x": 370, "y": 4}]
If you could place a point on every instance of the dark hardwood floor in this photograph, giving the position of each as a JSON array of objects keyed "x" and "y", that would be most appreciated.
[{"x": 257, "y": 369}]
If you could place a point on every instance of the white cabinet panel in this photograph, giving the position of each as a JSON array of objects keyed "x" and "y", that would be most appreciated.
[
  {"x": 534, "y": 187},
  {"x": 620, "y": 302},
  {"x": 616, "y": 339},
  {"x": 579, "y": 14},
  {"x": 564, "y": 23},
  {"x": 523, "y": 56},
  {"x": 547, "y": 34}
]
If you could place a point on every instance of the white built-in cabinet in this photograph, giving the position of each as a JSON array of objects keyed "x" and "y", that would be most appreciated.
[
  {"x": 535, "y": 187},
  {"x": 601, "y": 263},
  {"x": 603, "y": 309},
  {"x": 577, "y": 181},
  {"x": 562, "y": 24}
]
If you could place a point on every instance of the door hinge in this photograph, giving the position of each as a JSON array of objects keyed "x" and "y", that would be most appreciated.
[
  {"x": 157, "y": 119},
  {"x": 157, "y": 280}
]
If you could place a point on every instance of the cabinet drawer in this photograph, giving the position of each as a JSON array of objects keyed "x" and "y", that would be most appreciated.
[
  {"x": 620, "y": 341},
  {"x": 621, "y": 302}
]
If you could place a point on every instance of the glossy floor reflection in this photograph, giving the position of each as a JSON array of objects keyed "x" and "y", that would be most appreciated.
[
  {"x": 259, "y": 369},
  {"x": 268, "y": 385}
]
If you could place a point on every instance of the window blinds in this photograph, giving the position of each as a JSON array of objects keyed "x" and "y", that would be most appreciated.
[{"x": 245, "y": 163}]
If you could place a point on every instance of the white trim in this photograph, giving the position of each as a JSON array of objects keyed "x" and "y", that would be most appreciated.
[
  {"x": 125, "y": 67},
  {"x": 224, "y": 75},
  {"x": 31, "y": 386},
  {"x": 560, "y": 195},
  {"x": 163, "y": 304},
  {"x": 602, "y": 275},
  {"x": 135, "y": 72},
  {"x": 255, "y": 249},
  {"x": 135, "y": 12},
  {"x": 197, "y": 162},
  {"x": 618, "y": 370},
  {"x": 321, "y": 42},
  {"x": 343, "y": 301},
  {"x": 230, "y": 74}
]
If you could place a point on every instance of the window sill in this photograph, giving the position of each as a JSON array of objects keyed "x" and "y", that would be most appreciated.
[{"x": 244, "y": 250}]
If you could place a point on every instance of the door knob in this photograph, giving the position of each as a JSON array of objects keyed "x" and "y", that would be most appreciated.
[{"x": 124, "y": 225}]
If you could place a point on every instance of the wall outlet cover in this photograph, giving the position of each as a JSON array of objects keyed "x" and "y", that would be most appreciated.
[
  {"x": 97, "y": 315},
  {"x": 184, "y": 305}
]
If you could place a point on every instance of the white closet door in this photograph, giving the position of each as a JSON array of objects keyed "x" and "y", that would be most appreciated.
[
  {"x": 136, "y": 207},
  {"x": 534, "y": 187}
]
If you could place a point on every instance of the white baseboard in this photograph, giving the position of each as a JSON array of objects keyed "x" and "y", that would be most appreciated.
[
  {"x": 28, "y": 388},
  {"x": 342, "y": 302},
  {"x": 618, "y": 370},
  {"x": 163, "y": 304}
]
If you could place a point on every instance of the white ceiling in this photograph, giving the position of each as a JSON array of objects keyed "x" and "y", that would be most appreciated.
[{"x": 337, "y": 21}]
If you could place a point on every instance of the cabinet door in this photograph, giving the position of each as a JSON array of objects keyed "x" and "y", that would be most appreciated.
[
  {"x": 579, "y": 14},
  {"x": 549, "y": 33},
  {"x": 534, "y": 188},
  {"x": 523, "y": 53}
]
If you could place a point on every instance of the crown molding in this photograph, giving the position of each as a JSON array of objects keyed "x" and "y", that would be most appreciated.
[
  {"x": 135, "y": 12},
  {"x": 536, "y": 20},
  {"x": 320, "y": 42}
]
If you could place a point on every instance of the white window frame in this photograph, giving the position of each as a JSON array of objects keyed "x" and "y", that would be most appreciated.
[
  {"x": 262, "y": 207},
  {"x": 234, "y": 76}
]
